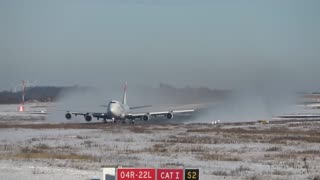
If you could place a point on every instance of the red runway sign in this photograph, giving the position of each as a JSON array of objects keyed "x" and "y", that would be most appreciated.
[
  {"x": 169, "y": 174},
  {"x": 136, "y": 174}
]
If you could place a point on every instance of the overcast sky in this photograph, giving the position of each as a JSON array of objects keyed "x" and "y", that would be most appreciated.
[{"x": 219, "y": 44}]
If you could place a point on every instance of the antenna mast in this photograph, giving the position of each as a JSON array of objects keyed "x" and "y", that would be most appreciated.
[{"x": 21, "y": 107}]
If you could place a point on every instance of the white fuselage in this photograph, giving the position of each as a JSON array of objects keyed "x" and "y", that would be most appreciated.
[{"x": 117, "y": 110}]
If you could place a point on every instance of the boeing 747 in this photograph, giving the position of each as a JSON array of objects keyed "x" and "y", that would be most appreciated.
[{"x": 120, "y": 111}]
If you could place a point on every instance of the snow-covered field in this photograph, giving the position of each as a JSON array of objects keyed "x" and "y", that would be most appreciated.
[{"x": 37, "y": 149}]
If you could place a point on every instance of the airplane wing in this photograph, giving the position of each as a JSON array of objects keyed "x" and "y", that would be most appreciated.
[
  {"x": 146, "y": 116},
  {"x": 78, "y": 113},
  {"x": 88, "y": 115}
]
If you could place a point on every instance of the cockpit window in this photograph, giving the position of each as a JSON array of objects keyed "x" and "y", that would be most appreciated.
[{"x": 112, "y": 102}]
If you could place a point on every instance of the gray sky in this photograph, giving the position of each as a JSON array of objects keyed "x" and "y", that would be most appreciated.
[{"x": 219, "y": 44}]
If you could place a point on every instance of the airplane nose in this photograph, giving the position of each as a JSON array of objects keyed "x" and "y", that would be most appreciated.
[{"x": 112, "y": 109}]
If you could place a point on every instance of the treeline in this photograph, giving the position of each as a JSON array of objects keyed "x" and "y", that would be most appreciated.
[{"x": 41, "y": 94}]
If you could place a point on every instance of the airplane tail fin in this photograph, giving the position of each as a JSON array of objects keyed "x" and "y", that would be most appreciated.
[{"x": 124, "y": 100}]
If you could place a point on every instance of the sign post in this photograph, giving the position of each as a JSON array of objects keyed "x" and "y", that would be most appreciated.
[
  {"x": 109, "y": 173},
  {"x": 191, "y": 174},
  {"x": 169, "y": 174},
  {"x": 136, "y": 174}
]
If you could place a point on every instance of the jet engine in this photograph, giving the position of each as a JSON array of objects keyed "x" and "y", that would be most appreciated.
[
  {"x": 68, "y": 116},
  {"x": 146, "y": 117},
  {"x": 88, "y": 118},
  {"x": 169, "y": 115}
]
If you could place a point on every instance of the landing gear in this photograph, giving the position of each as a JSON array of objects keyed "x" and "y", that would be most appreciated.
[
  {"x": 105, "y": 120},
  {"x": 132, "y": 121}
]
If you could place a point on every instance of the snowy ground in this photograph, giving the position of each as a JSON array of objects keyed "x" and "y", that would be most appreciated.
[{"x": 36, "y": 149}]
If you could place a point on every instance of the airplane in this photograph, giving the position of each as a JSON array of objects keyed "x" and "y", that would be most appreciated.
[{"x": 120, "y": 111}]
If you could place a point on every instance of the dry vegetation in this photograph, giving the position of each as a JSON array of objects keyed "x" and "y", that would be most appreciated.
[
  {"x": 218, "y": 157},
  {"x": 46, "y": 155},
  {"x": 221, "y": 151},
  {"x": 43, "y": 151}
]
